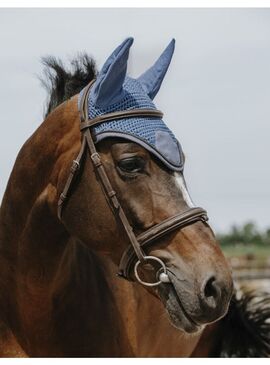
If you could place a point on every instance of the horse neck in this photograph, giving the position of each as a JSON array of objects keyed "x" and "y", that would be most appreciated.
[
  {"x": 33, "y": 177},
  {"x": 28, "y": 210}
]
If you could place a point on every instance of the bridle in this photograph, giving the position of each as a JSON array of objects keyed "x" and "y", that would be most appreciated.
[{"x": 134, "y": 255}]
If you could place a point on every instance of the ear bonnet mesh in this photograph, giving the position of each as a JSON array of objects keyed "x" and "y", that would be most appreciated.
[{"x": 149, "y": 132}]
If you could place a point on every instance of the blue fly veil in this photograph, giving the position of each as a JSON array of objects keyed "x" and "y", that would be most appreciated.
[{"x": 114, "y": 91}]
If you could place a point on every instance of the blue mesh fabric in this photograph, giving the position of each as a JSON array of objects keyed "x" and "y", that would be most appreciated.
[{"x": 143, "y": 130}]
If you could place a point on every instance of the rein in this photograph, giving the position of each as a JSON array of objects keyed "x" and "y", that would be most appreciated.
[{"x": 134, "y": 255}]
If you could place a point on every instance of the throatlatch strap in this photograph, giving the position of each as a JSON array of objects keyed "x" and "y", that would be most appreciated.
[{"x": 76, "y": 164}]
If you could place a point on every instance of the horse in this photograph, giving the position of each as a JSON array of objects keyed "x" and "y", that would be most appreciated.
[{"x": 103, "y": 253}]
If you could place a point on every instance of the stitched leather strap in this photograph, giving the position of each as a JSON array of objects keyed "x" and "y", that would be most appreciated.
[
  {"x": 76, "y": 164},
  {"x": 83, "y": 107},
  {"x": 159, "y": 230},
  {"x": 120, "y": 115},
  {"x": 111, "y": 195}
]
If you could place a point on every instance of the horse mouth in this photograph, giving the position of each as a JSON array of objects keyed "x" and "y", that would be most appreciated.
[{"x": 178, "y": 316}]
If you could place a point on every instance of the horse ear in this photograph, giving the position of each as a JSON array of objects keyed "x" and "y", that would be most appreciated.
[
  {"x": 151, "y": 80},
  {"x": 108, "y": 86}
]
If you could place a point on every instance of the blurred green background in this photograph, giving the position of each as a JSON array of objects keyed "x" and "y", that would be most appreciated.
[{"x": 247, "y": 249}]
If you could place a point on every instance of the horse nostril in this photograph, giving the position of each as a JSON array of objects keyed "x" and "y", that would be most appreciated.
[
  {"x": 209, "y": 289},
  {"x": 211, "y": 292}
]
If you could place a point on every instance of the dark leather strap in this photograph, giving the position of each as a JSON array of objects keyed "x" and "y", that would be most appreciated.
[
  {"x": 83, "y": 107},
  {"x": 111, "y": 195},
  {"x": 120, "y": 115},
  {"x": 159, "y": 230},
  {"x": 76, "y": 164},
  {"x": 170, "y": 224}
]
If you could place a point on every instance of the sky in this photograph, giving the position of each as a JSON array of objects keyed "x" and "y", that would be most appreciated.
[{"x": 215, "y": 96}]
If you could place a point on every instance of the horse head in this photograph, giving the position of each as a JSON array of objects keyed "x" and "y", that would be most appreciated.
[{"x": 144, "y": 164}]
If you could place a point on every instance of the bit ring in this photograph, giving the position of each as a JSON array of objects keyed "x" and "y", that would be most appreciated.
[{"x": 150, "y": 258}]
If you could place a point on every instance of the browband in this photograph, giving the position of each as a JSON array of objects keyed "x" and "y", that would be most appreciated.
[{"x": 132, "y": 113}]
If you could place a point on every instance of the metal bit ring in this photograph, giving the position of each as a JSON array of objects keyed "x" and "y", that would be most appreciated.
[{"x": 151, "y": 258}]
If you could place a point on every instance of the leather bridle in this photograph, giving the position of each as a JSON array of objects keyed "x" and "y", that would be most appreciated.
[{"x": 134, "y": 255}]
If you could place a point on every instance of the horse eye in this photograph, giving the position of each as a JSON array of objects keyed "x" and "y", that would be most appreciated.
[{"x": 132, "y": 164}]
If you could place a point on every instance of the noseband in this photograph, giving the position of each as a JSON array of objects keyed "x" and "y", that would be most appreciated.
[{"x": 134, "y": 255}]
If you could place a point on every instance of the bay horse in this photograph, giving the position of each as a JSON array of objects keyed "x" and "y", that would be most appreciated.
[{"x": 110, "y": 258}]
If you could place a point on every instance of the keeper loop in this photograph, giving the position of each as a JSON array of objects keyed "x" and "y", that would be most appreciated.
[
  {"x": 111, "y": 193},
  {"x": 63, "y": 197},
  {"x": 95, "y": 157},
  {"x": 75, "y": 166}
]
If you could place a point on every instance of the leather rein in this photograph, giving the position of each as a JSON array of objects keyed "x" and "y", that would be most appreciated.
[{"x": 134, "y": 255}]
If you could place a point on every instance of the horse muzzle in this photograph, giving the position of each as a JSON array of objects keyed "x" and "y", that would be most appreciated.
[{"x": 191, "y": 304}]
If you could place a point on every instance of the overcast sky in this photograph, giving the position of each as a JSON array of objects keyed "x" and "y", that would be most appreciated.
[{"x": 216, "y": 95}]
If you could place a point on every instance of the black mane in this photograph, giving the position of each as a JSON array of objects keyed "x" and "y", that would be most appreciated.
[
  {"x": 246, "y": 327},
  {"x": 62, "y": 83}
]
